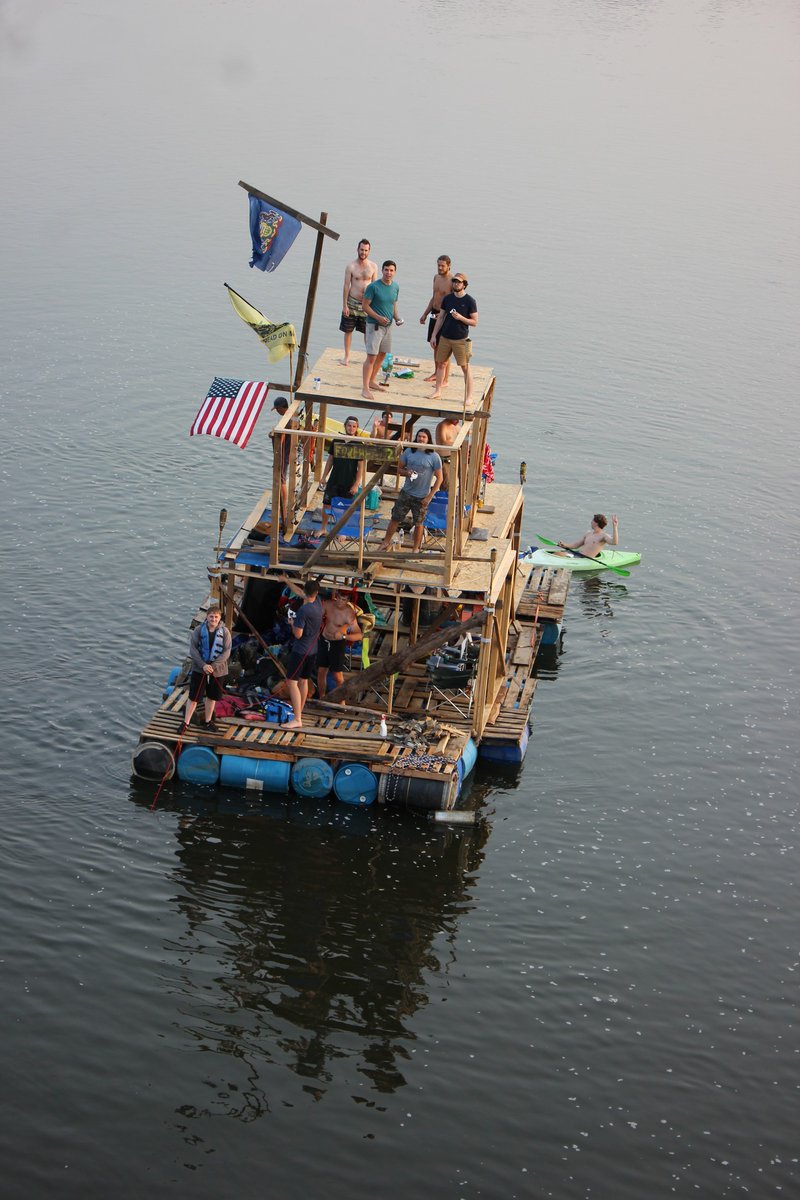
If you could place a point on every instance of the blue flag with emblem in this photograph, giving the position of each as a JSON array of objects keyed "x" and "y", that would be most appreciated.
[{"x": 272, "y": 231}]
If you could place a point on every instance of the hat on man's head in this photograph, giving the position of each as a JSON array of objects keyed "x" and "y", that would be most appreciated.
[{"x": 282, "y": 403}]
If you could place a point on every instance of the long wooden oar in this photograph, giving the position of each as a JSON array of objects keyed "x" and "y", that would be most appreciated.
[{"x": 601, "y": 566}]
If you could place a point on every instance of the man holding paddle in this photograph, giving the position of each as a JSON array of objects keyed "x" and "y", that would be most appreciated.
[{"x": 592, "y": 542}]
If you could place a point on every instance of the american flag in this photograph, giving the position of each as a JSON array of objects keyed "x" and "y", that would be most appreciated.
[{"x": 230, "y": 410}]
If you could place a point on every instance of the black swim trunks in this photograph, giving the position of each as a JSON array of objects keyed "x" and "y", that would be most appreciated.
[{"x": 331, "y": 654}]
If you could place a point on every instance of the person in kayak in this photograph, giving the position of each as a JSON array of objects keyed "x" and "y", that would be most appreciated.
[{"x": 592, "y": 542}]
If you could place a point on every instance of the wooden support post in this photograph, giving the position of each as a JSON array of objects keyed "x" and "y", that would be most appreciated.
[
  {"x": 307, "y": 448},
  {"x": 479, "y": 426},
  {"x": 452, "y": 508},
  {"x": 462, "y": 522},
  {"x": 319, "y": 462},
  {"x": 228, "y": 605},
  {"x": 310, "y": 298},
  {"x": 326, "y": 541},
  {"x": 291, "y": 488},
  {"x": 413, "y": 631},
  {"x": 481, "y": 677},
  {"x": 395, "y": 632},
  {"x": 275, "y": 531}
]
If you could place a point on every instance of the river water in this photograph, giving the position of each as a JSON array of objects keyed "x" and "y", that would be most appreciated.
[{"x": 595, "y": 992}]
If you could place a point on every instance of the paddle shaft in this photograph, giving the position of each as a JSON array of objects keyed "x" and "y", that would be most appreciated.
[{"x": 601, "y": 565}]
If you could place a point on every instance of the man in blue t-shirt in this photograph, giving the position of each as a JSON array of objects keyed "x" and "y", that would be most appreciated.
[
  {"x": 302, "y": 661},
  {"x": 459, "y": 314},
  {"x": 380, "y": 307},
  {"x": 422, "y": 467}
]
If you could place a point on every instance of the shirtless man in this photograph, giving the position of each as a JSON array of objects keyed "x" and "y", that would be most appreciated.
[
  {"x": 446, "y": 434},
  {"x": 357, "y": 275},
  {"x": 592, "y": 542},
  {"x": 339, "y": 626},
  {"x": 381, "y": 426},
  {"x": 441, "y": 288}
]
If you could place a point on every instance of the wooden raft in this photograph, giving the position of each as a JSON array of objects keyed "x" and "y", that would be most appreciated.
[{"x": 324, "y": 735}]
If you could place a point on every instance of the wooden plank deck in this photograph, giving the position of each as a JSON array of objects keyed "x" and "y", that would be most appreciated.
[
  {"x": 327, "y": 735},
  {"x": 342, "y": 386}
]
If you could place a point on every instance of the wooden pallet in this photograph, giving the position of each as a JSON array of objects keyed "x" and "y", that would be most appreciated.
[{"x": 335, "y": 738}]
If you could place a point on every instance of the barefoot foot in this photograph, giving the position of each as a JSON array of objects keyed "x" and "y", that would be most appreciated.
[
  {"x": 430, "y": 378},
  {"x": 367, "y": 395},
  {"x": 435, "y": 396},
  {"x": 292, "y": 725}
]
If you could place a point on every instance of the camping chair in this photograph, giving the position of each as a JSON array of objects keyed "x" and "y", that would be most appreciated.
[
  {"x": 451, "y": 676},
  {"x": 350, "y": 533},
  {"x": 381, "y": 619},
  {"x": 435, "y": 521}
]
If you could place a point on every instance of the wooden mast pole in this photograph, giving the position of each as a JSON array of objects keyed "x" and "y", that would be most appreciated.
[{"x": 310, "y": 299}]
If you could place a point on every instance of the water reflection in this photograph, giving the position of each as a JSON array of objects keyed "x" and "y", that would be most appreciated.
[
  {"x": 311, "y": 935},
  {"x": 599, "y": 596}
]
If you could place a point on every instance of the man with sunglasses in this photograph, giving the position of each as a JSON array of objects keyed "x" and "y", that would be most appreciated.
[{"x": 459, "y": 314}]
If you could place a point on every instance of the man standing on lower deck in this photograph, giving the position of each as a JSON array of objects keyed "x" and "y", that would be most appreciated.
[
  {"x": 451, "y": 335},
  {"x": 302, "y": 662},
  {"x": 423, "y": 468},
  {"x": 360, "y": 272},
  {"x": 342, "y": 476},
  {"x": 380, "y": 306}
]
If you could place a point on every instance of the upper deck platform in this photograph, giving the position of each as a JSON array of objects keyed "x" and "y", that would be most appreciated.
[{"x": 341, "y": 385}]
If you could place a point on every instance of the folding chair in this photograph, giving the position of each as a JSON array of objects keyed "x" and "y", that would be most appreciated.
[
  {"x": 350, "y": 533},
  {"x": 452, "y": 676},
  {"x": 435, "y": 521}
]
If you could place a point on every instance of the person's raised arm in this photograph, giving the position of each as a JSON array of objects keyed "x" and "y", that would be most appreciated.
[
  {"x": 292, "y": 586},
  {"x": 615, "y": 539}
]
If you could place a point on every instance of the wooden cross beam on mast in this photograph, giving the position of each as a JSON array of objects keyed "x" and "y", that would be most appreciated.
[{"x": 323, "y": 231}]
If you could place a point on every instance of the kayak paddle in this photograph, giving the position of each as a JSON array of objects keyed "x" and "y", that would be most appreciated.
[{"x": 601, "y": 565}]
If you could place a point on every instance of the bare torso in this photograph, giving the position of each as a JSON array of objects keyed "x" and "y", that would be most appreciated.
[
  {"x": 338, "y": 615},
  {"x": 446, "y": 433},
  {"x": 356, "y": 277},
  {"x": 593, "y": 542},
  {"x": 441, "y": 288}
]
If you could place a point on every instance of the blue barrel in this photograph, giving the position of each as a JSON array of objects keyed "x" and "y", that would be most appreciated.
[
  {"x": 355, "y": 784},
  {"x": 259, "y": 774},
  {"x": 466, "y": 762},
  {"x": 173, "y": 675},
  {"x": 312, "y": 777},
  {"x": 198, "y": 764}
]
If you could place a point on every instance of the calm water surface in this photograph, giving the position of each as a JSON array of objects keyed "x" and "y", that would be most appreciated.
[{"x": 594, "y": 993}]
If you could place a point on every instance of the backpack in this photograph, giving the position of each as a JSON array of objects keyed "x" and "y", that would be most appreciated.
[{"x": 278, "y": 712}]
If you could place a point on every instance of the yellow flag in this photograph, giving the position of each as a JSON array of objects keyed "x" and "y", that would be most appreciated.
[{"x": 278, "y": 339}]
